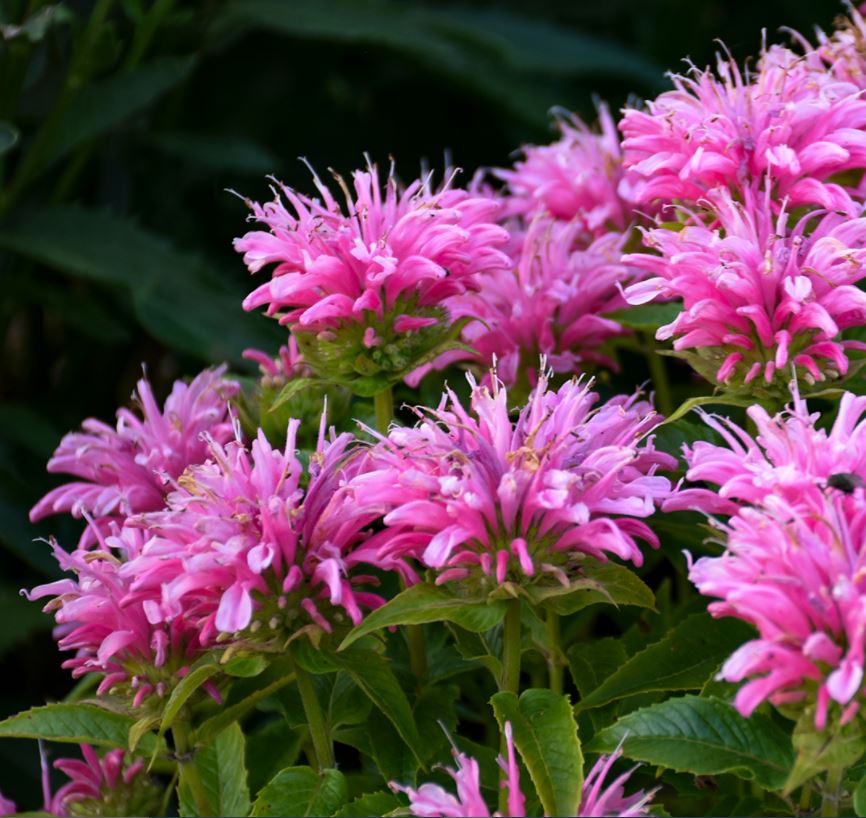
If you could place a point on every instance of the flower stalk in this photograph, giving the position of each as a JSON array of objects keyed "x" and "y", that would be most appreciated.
[{"x": 322, "y": 745}]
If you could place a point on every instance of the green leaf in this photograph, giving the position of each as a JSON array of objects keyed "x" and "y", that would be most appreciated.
[
  {"x": 222, "y": 772},
  {"x": 105, "y": 104},
  {"x": 271, "y": 747},
  {"x": 184, "y": 689},
  {"x": 860, "y": 798},
  {"x": 703, "y": 736},
  {"x": 596, "y": 582},
  {"x": 592, "y": 662},
  {"x": 301, "y": 791},
  {"x": 545, "y": 734},
  {"x": 9, "y": 136},
  {"x": 704, "y": 400},
  {"x": 141, "y": 728},
  {"x": 246, "y": 666},
  {"x": 76, "y": 724},
  {"x": 292, "y": 388},
  {"x": 683, "y": 660},
  {"x": 428, "y": 603},
  {"x": 373, "y": 803},
  {"x": 218, "y": 152},
  {"x": 648, "y": 317},
  {"x": 836, "y": 748},
  {"x": 373, "y": 674},
  {"x": 174, "y": 294}
]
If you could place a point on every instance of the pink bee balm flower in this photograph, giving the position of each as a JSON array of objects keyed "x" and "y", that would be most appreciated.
[
  {"x": 288, "y": 364},
  {"x": 102, "y": 786},
  {"x": 518, "y": 499},
  {"x": 796, "y": 573},
  {"x": 127, "y": 470},
  {"x": 108, "y": 626},
  {"x": 758, "y": 295},
  {"x": 7, "y": 806},
  {"x": 844, "y": 51},
  {"x": 364, "y": 290},
  {"x": 790, "y": 121},
  {"x": 790, "y": 458},
  {"x": 431, "y": 800},
  {"x": 577, "y": 178},
  {"x": 552, "y": 304},
  {"x": 242, "y": 544}
]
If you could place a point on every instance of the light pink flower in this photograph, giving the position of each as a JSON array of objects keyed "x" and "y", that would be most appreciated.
[
  {"x": 796, "y": 572},
  {"x": 597, "y": 799},
  {"x": 108, "y": 785},
  {"x": 127, "y": 470},
  {"x": 757, "y": 293},
  {"x": 551, "y": 303},
  {"x": 108, "y": 627},
  {"x": 373, "y": 280},
  {"x": 791, "y": 121},
  {"x": 578, "y": 178},
  {"x": 288, "y": 364},
  {"x": 844, "y": 51},
  {"x": 790, "y": 458},
  {"x": 243, "y": 545},
  {"x": 477, "y": 491}
]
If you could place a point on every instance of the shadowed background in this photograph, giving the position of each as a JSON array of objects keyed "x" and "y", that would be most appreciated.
[{"x": 122, "y": 125}]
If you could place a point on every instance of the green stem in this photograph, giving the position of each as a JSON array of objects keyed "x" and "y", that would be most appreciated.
[
  {"x": 805, "y": 798},
  {"x": 830, "y": 800},
  {"x": 384, "y": 403},
  {"x": 315, "y": 720},
  {"x": 511, "y": 648},
  {"x": 145, "y": 31},
  {"x": 187, "y": 770},
  {"x": 659, "y": 375},
  {"x": 554, "y": 662}
]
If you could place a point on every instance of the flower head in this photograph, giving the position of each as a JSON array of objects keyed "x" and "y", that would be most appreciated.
[
  {"x": 107, "y": 624},
  {"x": 792, "y": 121},
  {"x": 578, "y": 178},
  {"x": 478, "y": 493},
  {"x": 128, "y": 469},
  {"x": 245, "y": 547},
  {"x": 757, "y": 294},
  {"x": 364, "y": 290},
  {"x": 103, "y": 786},
  {"x": 597, "y": 799}
]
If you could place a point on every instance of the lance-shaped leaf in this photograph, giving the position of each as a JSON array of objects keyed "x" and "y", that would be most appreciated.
[
  {"x": 545, "y": 734},
  {"x": 222, "y": 774},
  {"x": 301, "y": 791},
  {"x": 703, "y": 736}
]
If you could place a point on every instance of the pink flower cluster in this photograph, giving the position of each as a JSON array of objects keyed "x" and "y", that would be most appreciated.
[
  {"x": 758, "y": 295},
  {"x": 129, "y": 469},
  {"x": 795, "y": 561},
  {"x": 597, "y": 799},
  {"x": 477, "y": 491}
]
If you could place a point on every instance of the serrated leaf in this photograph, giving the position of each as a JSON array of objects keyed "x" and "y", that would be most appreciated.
[
  {"x": 372, "y": 803},
  {"x": 703, "y": 736},
  {"x": 221, "y": 769},
  {"x": 423, "y": 603},
  {"x": 597, "y": 582},
  {"x": 684, "y": 659},
  {"x": 301, "y": 791},
  {"x": 545, "y": 735},
  {"x": 77, "y": 723},
  {"x": 374, "y": 676}
]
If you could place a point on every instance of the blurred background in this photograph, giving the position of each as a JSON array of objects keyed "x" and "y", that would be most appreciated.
[{"x": 124, "y": 124}]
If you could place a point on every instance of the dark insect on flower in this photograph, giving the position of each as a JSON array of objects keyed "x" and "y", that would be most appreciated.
[{"x": 845, "y": 482}]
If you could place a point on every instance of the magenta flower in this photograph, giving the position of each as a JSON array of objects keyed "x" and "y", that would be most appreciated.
[
  {"x": 7, "y": 806},
  {"x": 552, "y": 304},
  {"x": 128, "y": 470},
  {"x": 477, "y": 492},
  {"x": 792, "y": 121},
  {"x": 242, "y": 546},
  {"x": 758, "y": 295},
  {"x": 364, "y": 290},
  {"x": 843, "y": 51},
  {"x": 288, "y": 364},
  {"x": 578, "y": 178},
  {"x": 102, "y": 786},
  {"x": 796, "y": 573},
  {"x": 431, "y": 800},
  {"x": 108, "y": 626}
]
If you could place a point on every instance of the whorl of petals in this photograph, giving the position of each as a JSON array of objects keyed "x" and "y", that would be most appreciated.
[
  {"x": 757, "y": 294},
  {"x": 476, "y": 490},
  {"x": 128, "y": 469}
]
